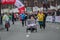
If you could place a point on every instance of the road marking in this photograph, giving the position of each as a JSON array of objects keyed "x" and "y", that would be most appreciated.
[{"x": 27, "y": 36}]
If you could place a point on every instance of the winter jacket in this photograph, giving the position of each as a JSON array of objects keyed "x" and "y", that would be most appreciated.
[{"x": 5, "y": 18}]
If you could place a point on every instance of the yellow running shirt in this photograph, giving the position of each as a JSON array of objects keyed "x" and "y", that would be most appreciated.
[{"x": 40, "y": 17}]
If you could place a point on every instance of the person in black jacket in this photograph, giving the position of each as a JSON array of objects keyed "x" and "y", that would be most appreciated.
[
  {"x": 44, "y": 20},
  {"x": 13, "y": 18}
]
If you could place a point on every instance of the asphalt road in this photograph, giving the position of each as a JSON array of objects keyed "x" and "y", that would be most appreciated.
[{"x": 17, "y": 32}]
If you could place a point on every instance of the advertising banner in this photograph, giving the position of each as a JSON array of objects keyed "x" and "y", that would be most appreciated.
[
  {"x": 8, "y": 1},
  {"x": 49, "y": 18},
  {"x": 57, "y": 18}
]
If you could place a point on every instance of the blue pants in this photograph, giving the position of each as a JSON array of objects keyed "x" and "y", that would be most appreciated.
[{"x": 41, "y": 24}]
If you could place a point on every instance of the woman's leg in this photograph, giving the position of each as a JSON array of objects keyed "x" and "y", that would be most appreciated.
[
  {"x": 12, "y": 21},
  {"x": 43, "y": 25},
  {"x": 22, "y": 22},
  {"x": 7, "y": 29},
  {"x": 25, "y": 22},
  {"x": 40, "y": 26}
]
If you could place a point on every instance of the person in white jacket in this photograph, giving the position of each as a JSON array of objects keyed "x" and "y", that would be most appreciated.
[{"x": 6, "y": 19}]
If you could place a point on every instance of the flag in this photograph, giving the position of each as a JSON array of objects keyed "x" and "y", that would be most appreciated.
[
  {"x": 17, "y": 3},
  {"x": 20, "y": 6}
]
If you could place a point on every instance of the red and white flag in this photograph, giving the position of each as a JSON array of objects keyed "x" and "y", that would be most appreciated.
[
  {"x": 17, "y": 3},
  {"x": 20, "y": 6}
]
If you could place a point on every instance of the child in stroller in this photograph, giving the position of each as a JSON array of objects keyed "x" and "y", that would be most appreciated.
[{"x": 31, "y": 25}]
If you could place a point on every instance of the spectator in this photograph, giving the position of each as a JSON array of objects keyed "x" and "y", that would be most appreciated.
[
  {"x": 44, "y": 20},
  {"x": 13, "y": 18},
  {"x": 6, "y": 19},
  {"x": 40, "y": 17},
  {"x": 22, "y": 17}
]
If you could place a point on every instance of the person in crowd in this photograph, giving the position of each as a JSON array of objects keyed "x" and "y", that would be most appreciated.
[
  {"x": 22, "y": 18},
  {"x": 35, "y": 17},
  {"x": 6, "y": 19},
  {"x": 15, "y": 16},
  {"x": 26, "y": 16},
  {"x": 40, "y": 17},
  {"x": 12, "y": 18},
  {"x": 1, "y": 19},
  {"x": 44, "y": 25}
]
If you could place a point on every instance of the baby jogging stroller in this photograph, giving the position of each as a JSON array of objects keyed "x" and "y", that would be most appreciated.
[{"x": 31, "y": 25}]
